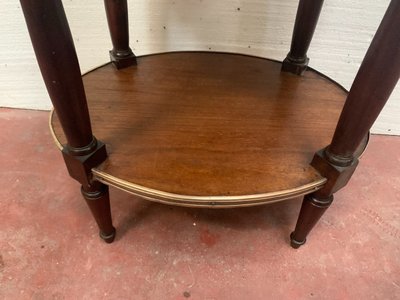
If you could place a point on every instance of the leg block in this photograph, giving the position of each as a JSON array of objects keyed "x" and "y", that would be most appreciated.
[
  {"x": 338, "y": 171},
  {"x": 122, "y": 59},
  {"x": 79, "y": 165},
  {"x": 295, "y": 66}
]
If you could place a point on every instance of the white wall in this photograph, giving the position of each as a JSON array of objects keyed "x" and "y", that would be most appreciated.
[{"x": 257, "y": 27}]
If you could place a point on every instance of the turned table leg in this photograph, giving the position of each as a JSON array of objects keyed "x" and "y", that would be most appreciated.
[
  {"x": 117, "y": 16},
  {"x": 306, "y": 20},
  {"x": 55, "y": 52},
  {"x": 311, "y": 211},
  {"x": 375, "y": 80},
  {"x": 97, "y": 198}
]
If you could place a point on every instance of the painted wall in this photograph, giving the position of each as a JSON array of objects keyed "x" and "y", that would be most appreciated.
[{"x": 256, "y": 27}]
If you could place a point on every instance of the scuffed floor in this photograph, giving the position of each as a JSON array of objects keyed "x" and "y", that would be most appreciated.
[{"x": 49, "y": 245}]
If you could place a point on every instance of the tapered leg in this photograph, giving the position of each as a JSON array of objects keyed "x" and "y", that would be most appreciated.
[
  {"x": 311, "y": 211},
  {"x": 117, "y": 17},
  {"x": 306, "y": 20},
  {"x": 378, "y": 75},
  {"x": 97, "y": 198}
]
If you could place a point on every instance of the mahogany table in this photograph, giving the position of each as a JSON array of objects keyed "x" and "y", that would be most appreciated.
[{"x": 210, "y": 129}]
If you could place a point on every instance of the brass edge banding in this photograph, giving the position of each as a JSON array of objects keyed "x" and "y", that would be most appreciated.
[
  {"x": 205, "y": 201},
  {"x": 53, "y": 134}
]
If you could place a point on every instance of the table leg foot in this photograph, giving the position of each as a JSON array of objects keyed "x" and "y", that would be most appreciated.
[
  {"x": 294, "y": 243},
  {"x": 108, "y": 237}
]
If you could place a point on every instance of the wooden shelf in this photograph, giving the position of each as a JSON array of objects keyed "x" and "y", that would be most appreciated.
[{"x": 210, "y": 129}]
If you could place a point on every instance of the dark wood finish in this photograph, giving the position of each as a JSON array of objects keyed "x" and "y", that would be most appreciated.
[
  {"x": 55, "y": 52},
  {"x": 372, "y": 86},
  {"x": 211, "y": 124},
  {"x": 97, "y": 198},
  {"x": 315, "y": 205},
  {"x": 117, "y": 16},
  {"x": 304, "y": 27},
  {"x": 80, "y": 167},
  {"x": 375, "y": 81},
  {"x": 311, "y": 211},
  {"x": 338, "y": 176}
]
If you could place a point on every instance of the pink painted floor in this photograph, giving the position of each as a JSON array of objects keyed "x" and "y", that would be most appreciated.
[{"x": 49, "y": 247}]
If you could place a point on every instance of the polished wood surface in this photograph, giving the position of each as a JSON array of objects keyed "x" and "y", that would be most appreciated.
[{"x": 211, "y": 124}]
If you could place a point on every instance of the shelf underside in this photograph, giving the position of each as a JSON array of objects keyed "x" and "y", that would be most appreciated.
[{"x": 210, "y": 129}]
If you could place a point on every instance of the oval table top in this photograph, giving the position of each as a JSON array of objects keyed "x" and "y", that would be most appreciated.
[{"x": 210, "y": 129}]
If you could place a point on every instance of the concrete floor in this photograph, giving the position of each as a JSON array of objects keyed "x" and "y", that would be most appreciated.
[{"x": 49, "y": 247}]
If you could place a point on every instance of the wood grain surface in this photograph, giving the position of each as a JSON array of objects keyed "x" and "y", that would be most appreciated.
[{"x": 210, "y": 126}]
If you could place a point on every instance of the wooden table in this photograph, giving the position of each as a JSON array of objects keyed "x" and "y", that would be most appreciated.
[{"x": 210, "y": 129}]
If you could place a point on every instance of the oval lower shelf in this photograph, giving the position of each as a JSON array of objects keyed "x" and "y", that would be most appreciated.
[{"x": 210, "y": 129}]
